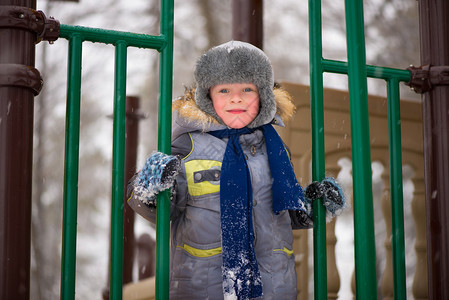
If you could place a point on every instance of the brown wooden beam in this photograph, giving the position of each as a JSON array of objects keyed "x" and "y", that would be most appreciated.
[
  {"x": 247, "y": 21},
  {"x": 434, "y": 34},
  {"x": 131, "y": 140},
  {"x": 17, "y": 51}
]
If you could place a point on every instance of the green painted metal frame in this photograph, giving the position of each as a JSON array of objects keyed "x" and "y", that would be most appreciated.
[
  {"x": 70, "y": 209},
  {"x": 164, "y": 145},
  {"x": 163, "y": 43},
  {"x": 318, "y": 161},
  {"x": 357, "y": 71}
]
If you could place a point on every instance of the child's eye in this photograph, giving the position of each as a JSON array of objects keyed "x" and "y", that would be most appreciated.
[
  {"x": 248, "y": 89},
  {"x": 223, "y": 91}
]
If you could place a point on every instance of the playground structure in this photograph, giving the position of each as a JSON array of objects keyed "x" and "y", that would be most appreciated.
[{"x": 20, "y": 82}]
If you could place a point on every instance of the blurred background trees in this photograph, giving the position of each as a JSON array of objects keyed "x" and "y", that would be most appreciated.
[{"x": 391, "y": 37}]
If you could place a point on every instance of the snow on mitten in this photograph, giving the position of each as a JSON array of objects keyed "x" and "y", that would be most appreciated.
[
  {"x": 157, "y": 175},
  {"x": 333, "y": 198},
  {"x": 312, "y": 192},
  {"x": 301, "y": 219}
]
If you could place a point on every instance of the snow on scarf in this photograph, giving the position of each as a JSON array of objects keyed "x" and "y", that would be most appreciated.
[{"x": 241, "y": 276}]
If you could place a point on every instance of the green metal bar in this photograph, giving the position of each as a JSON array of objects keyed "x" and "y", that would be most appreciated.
[
  {"x": 68, "y": 260},
  {"x": 164, "y": 145},
  {"x": 118, "y": 171},
  {"x": 334, "y": 66},
  {"x": 318, "y": 162},
  {"x": 365, "y": 258},
  {"x": 397, "y": 203},
  {"x": 164, "y": 44},
  {"x": 105, "y": 36}
]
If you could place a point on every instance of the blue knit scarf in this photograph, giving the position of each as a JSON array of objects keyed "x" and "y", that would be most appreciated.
[{"x": 241, "y": 276}]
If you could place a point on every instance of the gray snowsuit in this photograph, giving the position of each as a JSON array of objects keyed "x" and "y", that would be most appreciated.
[{"x": 196, "y": 261}]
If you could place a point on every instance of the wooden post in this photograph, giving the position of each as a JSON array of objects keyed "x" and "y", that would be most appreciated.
[
  {"x": 247, "y": 21},
  {"x": 19, "y": 83},
  {"x": 434, "y": 33},
  {"x": 132, "y": 132}
]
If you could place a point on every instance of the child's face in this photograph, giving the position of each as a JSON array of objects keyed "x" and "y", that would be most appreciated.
[{"x": 237, "y": 104}]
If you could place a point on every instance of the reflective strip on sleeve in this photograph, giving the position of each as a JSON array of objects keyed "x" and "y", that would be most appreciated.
[
  {"x": 205, "y": 187},
  {"x": 193, "y": 146},
  {"x": 201, "y": 252},
  {"x": 286, "y": 250},
  {"x": 130, "y": 197}
]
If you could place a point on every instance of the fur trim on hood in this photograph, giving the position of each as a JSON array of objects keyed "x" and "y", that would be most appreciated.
[{"x": 186, "y": 108}]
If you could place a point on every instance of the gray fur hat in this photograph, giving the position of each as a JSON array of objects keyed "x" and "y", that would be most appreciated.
[{"x": 236, "y": 62}]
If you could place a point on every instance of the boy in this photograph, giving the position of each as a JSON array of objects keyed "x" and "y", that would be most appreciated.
[{"x": 235, "y": 198}]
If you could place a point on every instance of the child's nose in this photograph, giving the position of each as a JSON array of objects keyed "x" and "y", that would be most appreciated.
[{"x": 236, "y": 98}]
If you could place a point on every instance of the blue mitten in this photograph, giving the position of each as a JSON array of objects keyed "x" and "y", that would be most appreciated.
[
  {"x": 333, "y": 197},
  {"x": 157, "y": 175},
  {"x": 312, "y": 192}
]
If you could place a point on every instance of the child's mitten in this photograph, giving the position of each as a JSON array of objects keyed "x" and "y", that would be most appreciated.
[
  {"x": 313, "y": 191},
  {"x": 301, "y": 219},
  {"x": 333, "y": 197},
  {"x": 157, "y": 175},
  {"x": 304, "y": 219}
]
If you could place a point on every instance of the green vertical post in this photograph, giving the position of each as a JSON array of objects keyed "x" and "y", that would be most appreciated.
[
  {"x": 118, "y": 171},
  {"x": 397, "y": 203},
  {"x": 68, "y": 260},
  {"x": 365, "y": 258},
  {"x": 318, "y": 162},
  {"x": 164, "y": 145}
]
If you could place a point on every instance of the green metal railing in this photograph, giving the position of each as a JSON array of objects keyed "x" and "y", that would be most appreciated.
[
  {"x": 357, "y": 71},
  {"x": 121, "y": 41}
]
